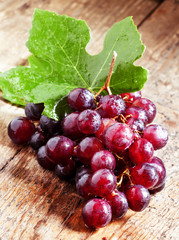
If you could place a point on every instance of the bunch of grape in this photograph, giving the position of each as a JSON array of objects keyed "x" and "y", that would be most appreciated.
[{"x": 106, "y": 145}]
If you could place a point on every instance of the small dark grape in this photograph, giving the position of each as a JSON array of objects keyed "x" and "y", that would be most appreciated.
[
  {"x": 66, "y": 172},
  {"x": 97, "y": 213},
  {"x": 37, "y": 140},
  {"x": 50, "y": 126},
  {"x": 34, "y": 111},
  {"x": 83, "y": 185},
  {"x": 80, "y": 99},
  {"x": 138, "y": 197},
  {"x": 81, "y": 171},
  {"x": 89, "y": 121},
  {"x": 43, "y": 160},
  {"x": 20, "y": 130}
]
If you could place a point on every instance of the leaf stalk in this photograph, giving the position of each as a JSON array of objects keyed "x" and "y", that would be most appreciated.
[{"x": 107, "y": 83}]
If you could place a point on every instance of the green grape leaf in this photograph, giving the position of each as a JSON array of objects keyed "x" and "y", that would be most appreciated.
[{"x": 60, "y": 62}]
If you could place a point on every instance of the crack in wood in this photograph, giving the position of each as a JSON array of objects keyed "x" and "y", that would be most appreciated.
[
  {"x": 150, "y": 13},
  {"x": 10, "y": 159}
]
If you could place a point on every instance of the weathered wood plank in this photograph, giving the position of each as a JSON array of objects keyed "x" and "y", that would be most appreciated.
[{"x": 34, "y": 204}]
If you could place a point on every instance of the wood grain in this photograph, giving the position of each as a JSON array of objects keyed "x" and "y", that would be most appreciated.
[{"x": 34, "y": 204}]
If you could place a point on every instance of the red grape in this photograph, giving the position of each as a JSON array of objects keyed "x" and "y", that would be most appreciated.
[
  {"x": 157, "y": 135},
  {"x": 87, "y": 148},
  {"x": 20, "y": 130},
  {"x": 148, "y": 106},
  {"x": 159, "y": 166},
  {"x": 136, "y": 124},
  {"x": 137, "y": 113},
  {"x": 129, "y": 98},
  {"x": 103, "y": 159},
  {"x": 118, "y": 202},
  {"x": 141, "y": 151},
  {"x": 138, "y": 197},
  {"x": 103, "y": 182},
  {"x": 80, "y": 99},
  {"x": 105, "y": 123},
  {"x": 97, "y": 213},
  {"x": 69, "y": 126},
  {"x": 144, "y": 174},
  {"x": 59, "y": 149},
  {"x": 89, "y": 121},
  {"x": 112, "y": 105},
  {"x": 118, "y": 137}
]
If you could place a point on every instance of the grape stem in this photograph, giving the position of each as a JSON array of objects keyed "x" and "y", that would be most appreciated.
[{"x": 106, "y": 85}]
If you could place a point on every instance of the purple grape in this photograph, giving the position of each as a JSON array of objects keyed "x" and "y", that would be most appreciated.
[
  {"x": 96, "y": 213},
  {"x": 50, "y": 126},
  {"x": 81, "y": 171},
  {"x": 20, "y": 130},
  {"x": 37, "y": 140},
  {"x": 83, "y": 185}
]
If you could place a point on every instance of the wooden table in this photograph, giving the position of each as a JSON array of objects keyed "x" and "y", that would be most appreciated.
[{"x": 34, "y": 203}]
